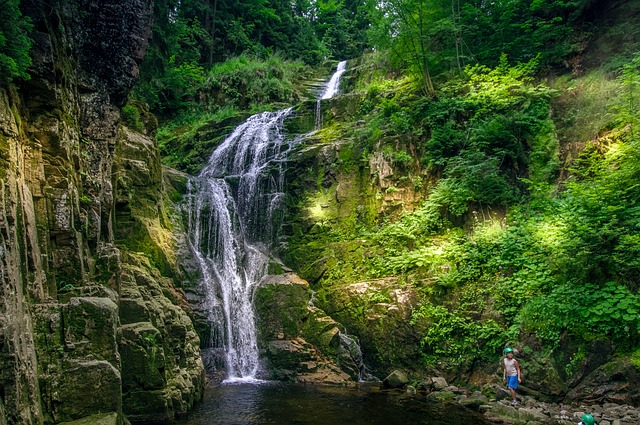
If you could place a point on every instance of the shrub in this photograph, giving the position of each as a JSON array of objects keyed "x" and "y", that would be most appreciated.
[
  {"x": 14, "y": 42},
  {"x": 131, "y": 117}
]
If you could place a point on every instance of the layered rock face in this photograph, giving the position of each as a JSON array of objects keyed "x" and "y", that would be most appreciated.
[
  {"x": 91, "y": 325},
  {"x": 300, "y": 342}
]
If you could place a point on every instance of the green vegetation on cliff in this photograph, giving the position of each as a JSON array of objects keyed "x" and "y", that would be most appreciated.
[
  {"x": 475, "y": 186},
  {"x": 499, "y": 251},
  {"x": 192, "y": 38}
]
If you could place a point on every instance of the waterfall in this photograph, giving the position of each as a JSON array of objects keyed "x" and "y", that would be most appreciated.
[
  {"x": 233, "y": 217},
  {"x": 318, "y": 115},
  {"x": 333, "y": 86},
  {"x": 330, "y": 90}
]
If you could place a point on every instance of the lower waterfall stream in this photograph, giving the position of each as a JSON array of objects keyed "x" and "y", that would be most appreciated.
[{"x": 232, "y": 217}]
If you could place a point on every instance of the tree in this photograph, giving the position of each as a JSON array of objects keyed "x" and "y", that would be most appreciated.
[
  {"x": 14, "y": 42},
  {"x": 418, "y": 32},
  {"x": 522, "y": 29}
]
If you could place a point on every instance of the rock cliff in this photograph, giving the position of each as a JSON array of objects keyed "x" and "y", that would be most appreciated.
[{"x": 88, "y": 303}]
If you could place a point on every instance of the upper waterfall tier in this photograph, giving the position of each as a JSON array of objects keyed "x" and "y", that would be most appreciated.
[{"x": 333, "y": 86}]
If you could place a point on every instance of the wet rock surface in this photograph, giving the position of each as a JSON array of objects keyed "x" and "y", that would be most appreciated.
[
  {"x": 530, "y": 411},
  {"x": 498, "y": 407},
  {"x": 300, "y": 342}
]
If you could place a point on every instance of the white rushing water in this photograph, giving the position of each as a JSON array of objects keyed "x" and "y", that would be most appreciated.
[
  {"x": 334, "y": 83},
  {"x": 231, "y": 222},
  {"x": 235, "y": 207},
  {"x": 330, "y": 89}
]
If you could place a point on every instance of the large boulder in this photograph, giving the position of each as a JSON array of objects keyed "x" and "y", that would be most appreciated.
[
  {"x": 614, "y": 382},
  {"x": 378, "y": 312},
  {"x": 396, "y": 379},
  {"x": 163, "y": 374},
  {"x": 78, "y": 355},
  {"x": 88, "y": 387},
  {"x": 300, "y": 341}
]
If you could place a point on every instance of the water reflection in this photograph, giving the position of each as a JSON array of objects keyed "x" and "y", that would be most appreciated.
[{"x": 278, "y": 403}]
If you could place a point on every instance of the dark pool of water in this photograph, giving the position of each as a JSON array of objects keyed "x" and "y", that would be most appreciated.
[{"x": 293, "y": 404}]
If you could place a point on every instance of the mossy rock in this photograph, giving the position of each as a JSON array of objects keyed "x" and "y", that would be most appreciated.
[
  {"x": 143, "y": 357},
  {"x": 613, "y": 382},
  {"x": 396, "y": 379},
  {"x": 441, "y": 395},
  {"x": 90, "y": 325},
  {"x": 281, "y": 303},
  {"x": 148, "y": 406},
  {"x": 99, "y": 419},
  {"x": 88, "y": 387}
]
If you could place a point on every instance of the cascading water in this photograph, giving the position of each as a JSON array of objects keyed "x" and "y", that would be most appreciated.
[
  {"x": 330, "y": 90},
  {"x": 232, "y": 220},
  {"x": 334, "y": 83},
  {"x": 234, "y": 216}
]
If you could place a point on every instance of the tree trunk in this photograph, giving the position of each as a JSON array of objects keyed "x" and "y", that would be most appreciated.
[{"x": 212, "y": 30}]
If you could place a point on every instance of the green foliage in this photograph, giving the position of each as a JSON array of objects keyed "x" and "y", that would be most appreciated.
[
  {"x": 487, "y": 132},
  {"x": 523, "y": 29},
  {"x": 85, "y": 201},
  {"x": 497, "y": 250},
  {"x": 399, "y": 157},
  {"x": 243, "y": 82},
  {"x": 176, "y": 138},
  {"x": 627, "y": 109},
  {"x": 456, "y": 336},
  {"x": 588, "y": 311},
  {"x": 190, "y": 37},
  {"x": 175, "y": 90},
  {"x": 64, "y": 286},
  {"x": 584, "y": 107},
  {"x": 15, "y": 43},
  {"x": 246, "y": 82},
  {"x": 635, "y": 358},
  {"x": 131, "y": 116},
  {"x": 423, "y": 37}
]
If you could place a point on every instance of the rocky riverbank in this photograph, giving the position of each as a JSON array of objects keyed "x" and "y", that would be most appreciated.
[
  {"x": 530, "y": 411},
  {"x": 497, "y": 406}
]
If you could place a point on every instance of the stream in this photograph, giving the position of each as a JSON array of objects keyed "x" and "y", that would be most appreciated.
[{"x": 278, "y": 403}]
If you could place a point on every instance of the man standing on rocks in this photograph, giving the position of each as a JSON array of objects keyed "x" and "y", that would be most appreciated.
[{"x": 511, "y": 373}]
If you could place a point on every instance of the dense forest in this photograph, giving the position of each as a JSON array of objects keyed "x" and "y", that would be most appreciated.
[{"x": 512, "y": 130}]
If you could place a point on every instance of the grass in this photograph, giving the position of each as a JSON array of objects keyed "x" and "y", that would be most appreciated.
[
  {"x": 189, "y": 121},
  {"x": 247, "y": 82},
  {"x": 584, "y": 108}
]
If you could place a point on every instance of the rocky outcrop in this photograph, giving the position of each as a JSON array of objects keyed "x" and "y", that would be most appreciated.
[
  {"x": 532, "y": 412},
  {"x": 88, "y": 303},
  {"x": 300, "y": 342},
  {"x": 379, "y": 312},
  {"x": 613, "y": 382}
]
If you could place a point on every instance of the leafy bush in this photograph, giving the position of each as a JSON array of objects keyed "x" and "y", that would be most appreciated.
[
  {"x": 15, "y": 44},
  {"x": 246, "y": 82},
  {"x": 131, "y": 117},
  {"x": 175, "y": 90},
  {"x": 456, "y": 336},
  {"x": 588, "y": 311}
]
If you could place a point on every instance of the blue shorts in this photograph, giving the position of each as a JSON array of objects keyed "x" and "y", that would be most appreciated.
[{"x": 512, "y": 382}]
